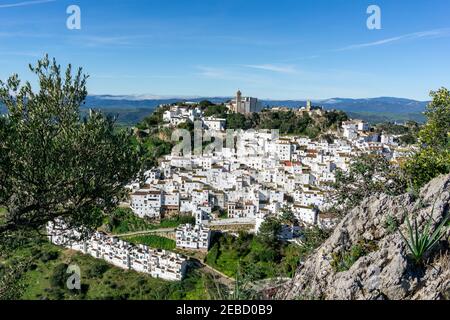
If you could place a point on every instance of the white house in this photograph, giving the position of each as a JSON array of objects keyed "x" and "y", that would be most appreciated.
[
  {"x": 217, "y": 124},
  {"x": 147, "y": 203},
  {"x": 196, "y": 237},
  {"x": 157, "y": 263}
]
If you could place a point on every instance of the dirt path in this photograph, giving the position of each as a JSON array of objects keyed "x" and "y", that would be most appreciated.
[{"x": 216, "y": 274}]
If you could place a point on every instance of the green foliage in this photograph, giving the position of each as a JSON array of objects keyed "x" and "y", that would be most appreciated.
[
  {"x": 125, "y": 221},
  {"x": 217, "y": 111},
  {"x": 288, "y": 217},
  {"x": 260, "y": 257},
  {"x": 290, "y": 122},
  {"x": 153, "y": 241},
  {"x": 49, "y": 256},
  {"x": 188, "y": 125},
  {"x": 205, "y": 104},
  {"x": 11, "y": 286},
  {"x": 344, "y": 259},
  {"x": 176, "y": 221},
  {"x": 408, "y": 133},
  {"x": 312, "y": 239},
  {"x": 433, "y": 158},
  {"x": 368, "y": 175},
  {"x": 246, "y": 253},
  {"x": 52, "y": 162},
  {"x": 408, "y": 139},
  {"x": 391, "y": 224},
  {"x": 392, "y": 128},
  {"x": 154, "y": 148},
  {"x": 47, "y": 280},
  {"x": 287, "y": 122},
  {"x": 427, "y": 164},
  {"x": 421, "y": 241},
  {"x": 268, "y": 232},
  {"x": 98, "y": 269},
  {"x": 241, "y": 290},
  {"x": 335, "y": 118},
  {"x": 59, "y": 276},
  {"x": 293, "y": 254},
  {"x": 237, "y": 121},
  {"x": 153, "y": 120}
]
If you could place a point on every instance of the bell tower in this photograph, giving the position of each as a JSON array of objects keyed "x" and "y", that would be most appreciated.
[{"x": 238, "y": 101}]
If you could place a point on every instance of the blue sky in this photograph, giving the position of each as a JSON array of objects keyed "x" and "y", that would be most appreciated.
[{"x": 285, "y": 49}]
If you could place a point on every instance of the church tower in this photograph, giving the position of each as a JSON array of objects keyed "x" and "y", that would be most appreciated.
[
  {"x": 308, "y": 106},
  {"x": 239, "y": 101}
]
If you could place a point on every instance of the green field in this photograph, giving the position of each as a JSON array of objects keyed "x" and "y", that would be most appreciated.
[{"x": 153, "y": 241}]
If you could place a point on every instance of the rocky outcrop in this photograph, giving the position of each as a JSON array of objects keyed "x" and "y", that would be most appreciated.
[{"x": 386, "y": 270}]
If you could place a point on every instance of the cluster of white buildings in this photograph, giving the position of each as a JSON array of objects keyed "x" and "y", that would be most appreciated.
[
  {"x": 193, "y": 237},
  {"x": 180, "y": 114},
  {"x": 177, "y": 115},
  {"x": 361, "y": 136},
  {"x": 155, "y": 262},
  {"x": 255, "y": 176}
]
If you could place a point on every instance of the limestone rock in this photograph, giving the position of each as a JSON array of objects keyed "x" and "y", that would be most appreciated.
[{"x": 386, "y": 272}]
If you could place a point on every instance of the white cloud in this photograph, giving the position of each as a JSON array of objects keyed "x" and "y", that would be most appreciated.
[
  {"x": 432, "y": 34},
  {"x": 273, "y": 68},
  {"x": 24, "y": 3},
  {"x": 230, "y": 74},
  {"x": 212, "y": 72}
]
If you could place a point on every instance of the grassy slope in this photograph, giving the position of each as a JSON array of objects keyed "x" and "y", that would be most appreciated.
[
  {"x": 114, "y": 283},
  {"x": 153, "y": 241}
]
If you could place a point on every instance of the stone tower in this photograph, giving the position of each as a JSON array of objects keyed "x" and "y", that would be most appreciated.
[{"x": 239, "y": 101}]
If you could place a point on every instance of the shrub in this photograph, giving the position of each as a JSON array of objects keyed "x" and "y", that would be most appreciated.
[
  {"x": 49, "y": 256},
  {"x": 419, "y": 242},
  {"x": 391, "y": 224},
  {"x": 59, "y": 276},
  {"x": 344, "y": 259},
  {"x": 98, "y": 270}
]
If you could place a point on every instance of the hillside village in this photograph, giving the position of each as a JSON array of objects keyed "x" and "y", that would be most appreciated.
[{"x": 260, "y": 174}]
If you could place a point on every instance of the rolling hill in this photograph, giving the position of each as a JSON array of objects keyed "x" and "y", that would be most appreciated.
[{"x": 132, "y": 109}]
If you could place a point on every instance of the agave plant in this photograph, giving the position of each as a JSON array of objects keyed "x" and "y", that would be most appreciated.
[{"x": 419, "y": 241}]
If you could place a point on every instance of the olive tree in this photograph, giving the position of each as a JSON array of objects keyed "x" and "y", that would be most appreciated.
[{"x": 54, "y": 162}]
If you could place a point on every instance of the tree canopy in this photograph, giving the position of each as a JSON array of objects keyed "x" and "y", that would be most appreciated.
[
  {"x": 433, "y": 158},
  {"x": 53, "y": 163},
  {"x": 367, "y": 175}
]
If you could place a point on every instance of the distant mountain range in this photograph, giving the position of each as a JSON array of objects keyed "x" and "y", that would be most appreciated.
[
  {"x": 383, "y": 104},
  {"x": 133, "y": 108}
]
